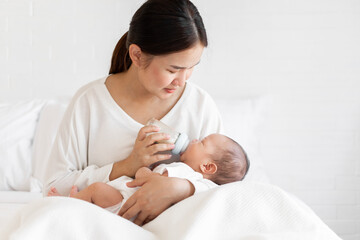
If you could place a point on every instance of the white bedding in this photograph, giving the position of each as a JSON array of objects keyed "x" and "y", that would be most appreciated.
[
  {"x": 12, "y": 201},
  {"x": 241, "y": 210}
]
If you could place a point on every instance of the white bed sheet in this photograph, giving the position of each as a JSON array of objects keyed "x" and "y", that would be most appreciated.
[
  {"x": 12, "y": 201},
  {"x": 240, "y": 210}
]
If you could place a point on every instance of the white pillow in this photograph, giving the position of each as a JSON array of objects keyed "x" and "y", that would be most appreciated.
[
  {"x": 48, "y": 125},
  {"x": 244, "y": 122},
  {"x": 17, "y": 127}
]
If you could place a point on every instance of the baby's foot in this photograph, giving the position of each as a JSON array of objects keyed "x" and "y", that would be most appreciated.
[
  {"x": 53, "y": 192},
  {"x": 74, "y": 190}
]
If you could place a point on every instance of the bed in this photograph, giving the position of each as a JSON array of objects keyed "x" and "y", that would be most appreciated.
[{"x": 251, "y": 209}]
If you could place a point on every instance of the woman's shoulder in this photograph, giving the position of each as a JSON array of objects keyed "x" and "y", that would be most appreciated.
[
  {"x": 196, "y": 89},
  {"x": 90, "y": 87},
  {"x": 85, "y": 94},
  {"x": 196, "y": 94}
]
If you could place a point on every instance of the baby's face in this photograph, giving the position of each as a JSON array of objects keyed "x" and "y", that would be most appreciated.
[{"x": 199, "y": 152}]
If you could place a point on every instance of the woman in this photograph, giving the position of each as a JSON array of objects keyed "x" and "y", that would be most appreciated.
[{"x": 102, "y": 135}]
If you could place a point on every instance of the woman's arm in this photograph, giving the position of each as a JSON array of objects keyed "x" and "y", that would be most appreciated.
[
  {"x": 157, "y": 193},
  {"x": 68, "y": 163}
]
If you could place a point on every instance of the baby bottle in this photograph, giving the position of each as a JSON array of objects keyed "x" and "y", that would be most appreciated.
[{"x": 181, "y": 140}]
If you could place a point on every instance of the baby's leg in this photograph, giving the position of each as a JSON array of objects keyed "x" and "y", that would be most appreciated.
[{"x": 100, "y": 194}]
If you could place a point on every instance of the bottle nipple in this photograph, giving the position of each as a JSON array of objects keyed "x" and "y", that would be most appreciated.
[{"x": 181, "y": 144}]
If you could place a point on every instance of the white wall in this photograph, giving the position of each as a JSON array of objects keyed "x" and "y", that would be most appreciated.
[{"x": 304, "y": 53}]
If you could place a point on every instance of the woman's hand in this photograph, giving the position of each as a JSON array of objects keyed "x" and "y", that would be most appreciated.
[
  {"x": 144, "y": 153},
  {"x": 146, "y": 148},
  {"x": 157, "y": 193}
]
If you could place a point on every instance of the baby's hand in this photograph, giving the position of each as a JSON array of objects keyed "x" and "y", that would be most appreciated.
[{"x": 143, "y": 172}]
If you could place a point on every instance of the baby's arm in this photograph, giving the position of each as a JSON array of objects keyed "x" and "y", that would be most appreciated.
[{"x": 100, "y": 194}]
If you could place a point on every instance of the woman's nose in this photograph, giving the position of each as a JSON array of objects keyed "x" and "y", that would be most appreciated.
[{"x": 180, "y": 79}]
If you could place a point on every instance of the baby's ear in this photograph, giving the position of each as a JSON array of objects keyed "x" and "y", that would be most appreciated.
[{"x": 208, "y": 168}]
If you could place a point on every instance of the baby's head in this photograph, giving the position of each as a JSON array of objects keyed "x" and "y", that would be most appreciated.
[{"x": 219, "y": 158}]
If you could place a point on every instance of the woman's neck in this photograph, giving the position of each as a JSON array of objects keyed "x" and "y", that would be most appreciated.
[
  {"x": 134, "y": 99},
  {"x": 131, "y": 84}
]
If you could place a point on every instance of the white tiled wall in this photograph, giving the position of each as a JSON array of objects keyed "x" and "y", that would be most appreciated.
[{"x": 305, "y": 53}]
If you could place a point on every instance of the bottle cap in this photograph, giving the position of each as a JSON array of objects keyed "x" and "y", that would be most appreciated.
[{"x": 181, "y": 143}]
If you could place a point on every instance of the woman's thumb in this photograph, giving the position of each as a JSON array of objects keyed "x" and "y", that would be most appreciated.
[{"x": 136, "y": 182}]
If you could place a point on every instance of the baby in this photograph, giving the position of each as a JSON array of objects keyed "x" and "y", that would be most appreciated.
[{"x": 217, "y": 159}]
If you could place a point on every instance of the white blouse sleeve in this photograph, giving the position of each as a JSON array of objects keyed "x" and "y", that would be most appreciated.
[{"x": 68, "y": 162}]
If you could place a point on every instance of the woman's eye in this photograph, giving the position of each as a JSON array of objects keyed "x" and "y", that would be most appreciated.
[{"x": 170, "y": 71}]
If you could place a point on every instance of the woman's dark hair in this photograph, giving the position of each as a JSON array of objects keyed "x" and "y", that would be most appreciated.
[{"x": 160, "y": 27}]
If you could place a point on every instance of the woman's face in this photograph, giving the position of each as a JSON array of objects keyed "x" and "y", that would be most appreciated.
[{"x": 167, "y": 74}]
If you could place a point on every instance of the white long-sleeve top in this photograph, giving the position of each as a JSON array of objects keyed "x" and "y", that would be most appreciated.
[{"x": 96, "y": 132}]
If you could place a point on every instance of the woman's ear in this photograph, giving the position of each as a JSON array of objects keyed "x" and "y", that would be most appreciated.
[
  {"x": 208, "y": 168},
  {"x": 135, "y": 54}
]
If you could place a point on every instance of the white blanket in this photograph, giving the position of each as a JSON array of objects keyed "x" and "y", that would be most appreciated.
[{"x": 241, "y": 210}]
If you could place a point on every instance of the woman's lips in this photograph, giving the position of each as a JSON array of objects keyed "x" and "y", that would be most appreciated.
[{"x": 170, "y": 90}]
